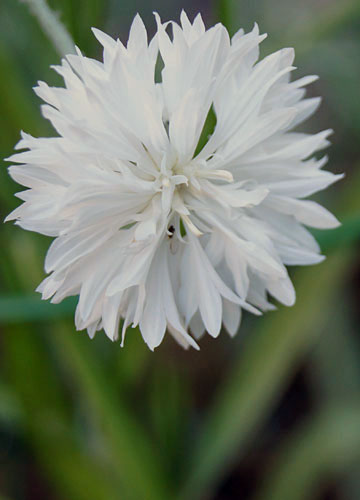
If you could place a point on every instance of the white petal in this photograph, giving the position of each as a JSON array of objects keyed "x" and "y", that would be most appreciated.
[
  {"x": 232, "y": 317},
  {"x": 283, "y": 291},
  {"x": 306, "y": 211}
]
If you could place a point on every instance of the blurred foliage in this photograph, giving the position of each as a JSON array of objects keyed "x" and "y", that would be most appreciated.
[{"x": 83, "y": 419}]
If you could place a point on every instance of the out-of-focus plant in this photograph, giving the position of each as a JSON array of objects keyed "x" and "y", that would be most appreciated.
[{"x": 73, "y": 399}]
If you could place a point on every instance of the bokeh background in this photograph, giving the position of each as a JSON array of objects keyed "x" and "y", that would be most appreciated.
[{"x": 273, "y": 414}]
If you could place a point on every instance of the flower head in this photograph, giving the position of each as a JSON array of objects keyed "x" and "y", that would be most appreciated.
[{"x": 154, "y": 225}]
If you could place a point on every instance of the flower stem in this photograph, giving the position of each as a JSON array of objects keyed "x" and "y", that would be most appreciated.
[{"x": 52, "y": 26}]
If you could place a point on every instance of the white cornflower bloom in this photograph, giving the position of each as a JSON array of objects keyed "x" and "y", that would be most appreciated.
[{"x": 150, "y": 227}]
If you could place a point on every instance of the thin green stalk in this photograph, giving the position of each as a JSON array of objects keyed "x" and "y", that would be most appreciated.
[
  {"x": 52, "y": 26},
  {"x": 224, "y": 13}
]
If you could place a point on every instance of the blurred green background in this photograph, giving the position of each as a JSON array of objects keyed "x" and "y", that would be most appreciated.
[{"x": 273, "y": 414}]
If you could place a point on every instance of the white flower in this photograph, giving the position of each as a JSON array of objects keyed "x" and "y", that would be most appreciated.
[{"x": 148, "y": 228}]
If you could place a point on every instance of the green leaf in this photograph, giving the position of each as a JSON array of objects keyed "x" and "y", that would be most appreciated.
[
  {"x": 260, "y": 374},
  {"x": 135, "y": 458},
  {"x": 21, "y": 309},
  {"x": 334, "y": 375},
  {"x": 325, "y": 445},
  {"x": 74, "y": 472},
  {"x": 224, "y": 13},
  {"x": 335, "y": 18},
  {"x": 11, "y": 413},
  {"x": 343, "y": 236}
]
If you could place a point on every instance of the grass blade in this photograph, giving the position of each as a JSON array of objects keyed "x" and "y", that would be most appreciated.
[
  {"x": 260, "y": 374},
  {"x": 325, "y": 445},
  {"x": 54, "y": 29},
  {"x": 134, "y": 455},
  {"x": 74, "y": 473},
  {"x": 20, "y": 309},
  {"x": 343, "y": 236}
]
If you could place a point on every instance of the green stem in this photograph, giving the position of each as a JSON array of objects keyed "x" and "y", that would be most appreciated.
[
  {"x": 52, "y": 26},
  {"x": 224, "y": 13}
]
